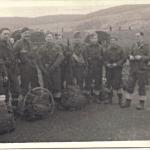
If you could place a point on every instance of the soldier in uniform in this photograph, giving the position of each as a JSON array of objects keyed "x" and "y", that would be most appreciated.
[
  {"x": 9, "y": 65},
  {"x": 79, "y": 66},
  {"x": 138, "y": 58},
  {"x": 93, "y": 55},
  {"x": 51, "y": 57},
  {"x": 26, "y": 61},
  {"x": 67, "y": 63},
  {"x": 114, "y": 59}
]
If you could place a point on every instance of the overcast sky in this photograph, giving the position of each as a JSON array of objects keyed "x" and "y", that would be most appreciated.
[{"x": 34, "y": 8}]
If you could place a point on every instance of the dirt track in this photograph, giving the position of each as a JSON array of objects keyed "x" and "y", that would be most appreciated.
[{"x": 96, "y": 122}]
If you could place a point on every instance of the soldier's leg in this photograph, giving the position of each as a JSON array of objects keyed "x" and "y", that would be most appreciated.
[
  {"x": 34, "y": 77},
  {"x": 98, "y": 79},
  {"x": 63, "y": 76},
  {"x": 46, "y": 81},
  {"x": 25, "y": 79},
  {"x": 14, "y": 88},
  {"x": 56, "y": 80},
  {"x": 109, "y": 79},
  {"x": 69, "y": 72},
  {"x": 130, "y": 89},
  {"x": 80, "y": 77},
  {"x": 142, "y": 90},
  {"x": 117, "y": 83},
  {"x": 88, "y": 82}
]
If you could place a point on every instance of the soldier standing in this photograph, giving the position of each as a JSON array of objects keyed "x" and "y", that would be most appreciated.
[
  {"x": 114, "y": 59},
  {"x": 67, "y": 63},
  {"x": 51, "y": 57},
  {"x": 138, "y": 57},
  {"x": 93, "y": 55},
  {"x": 9, "y": 63},
  {"x": 26, "y": 61},
  {"x": 79, "y": 62}
]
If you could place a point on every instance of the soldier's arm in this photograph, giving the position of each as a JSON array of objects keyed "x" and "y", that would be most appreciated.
[
  {"x": 40, "y": 61},
  {"x": 100, "y": 54},
  {"x": 105, "y": 59},
  {"x": 146, "y": 57},
  {"x": 85, "y": 55},
  {"x": 16, "y": 50},
  {"x": 59, "y": 58},
  {"x": 122, "y": 58}
]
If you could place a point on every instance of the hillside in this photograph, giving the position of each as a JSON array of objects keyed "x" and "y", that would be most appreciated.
[{"x": 137, "y": 16}]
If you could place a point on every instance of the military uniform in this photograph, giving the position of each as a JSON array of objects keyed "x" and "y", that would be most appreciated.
[
  {"x": 9, "y": 69},
  {"x": 114, "y": 55},
  {"x": 93, "y": 55},
  {"x": 66, "y": 65},
  {"x": 79, "y": 66},
  {"x": 137, "y": 74},
  {"x": 51, "y": 58},
  {"x": 27, "y": 65}
]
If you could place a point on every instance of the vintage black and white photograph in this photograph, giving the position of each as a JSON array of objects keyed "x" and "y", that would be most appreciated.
[{"x": 74, "y": 70}]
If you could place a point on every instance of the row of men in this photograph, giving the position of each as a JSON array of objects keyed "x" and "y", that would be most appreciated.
[{"x": 81, "y": 64}]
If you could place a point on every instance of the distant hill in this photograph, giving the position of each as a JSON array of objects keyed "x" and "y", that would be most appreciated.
[{"x": 136, "y": 16}]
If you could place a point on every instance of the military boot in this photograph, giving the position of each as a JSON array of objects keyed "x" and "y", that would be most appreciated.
[
  {"x": 119, "y": 99},
  {"x": 127, "y": 104},
  {"x": 141, "y": 105},
  {"x": 109, "y": 99},
  {"x": 15, "y": 103}
]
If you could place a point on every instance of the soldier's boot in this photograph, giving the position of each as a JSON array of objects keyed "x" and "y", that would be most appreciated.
[
  {"x": 20, "y": 106},
  {"x": 14, "y": 103},
  {"x": 110, "y": 96},
  {"x": 86, "y": 92},
  {"x": 119, "y": 98},
  {"x": 141, "y": 105},
  {"x": 127, "y": 104},
  {"x": 57, "y": 99}
]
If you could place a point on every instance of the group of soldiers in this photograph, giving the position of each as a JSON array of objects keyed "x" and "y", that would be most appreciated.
[{"x": 77, "y": 64}]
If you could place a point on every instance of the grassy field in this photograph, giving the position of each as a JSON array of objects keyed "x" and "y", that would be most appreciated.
[{"x": 96, "y": 122}]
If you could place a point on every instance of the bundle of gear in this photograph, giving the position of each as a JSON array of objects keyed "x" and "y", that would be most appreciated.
[{"x": 73, "y": 98}]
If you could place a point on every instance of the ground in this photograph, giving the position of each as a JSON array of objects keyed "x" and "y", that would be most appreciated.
[{"x": 95, "y": 122}]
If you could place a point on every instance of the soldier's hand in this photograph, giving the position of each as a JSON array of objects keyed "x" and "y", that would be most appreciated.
[
  {"x": 5, "y": 80},
  {"x": 148, "y": 63},
  {"x": 131, "y": 57},
  {"x": 138, "y": 57},
  {"x": 109, "y": 65},
  {"x": 114, "y": 64}
]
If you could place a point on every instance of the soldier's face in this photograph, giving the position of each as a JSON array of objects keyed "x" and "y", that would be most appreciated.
[
  {"x": 26, "y": 35},
  {"x": 49, "y": 38},
  {"x": 5, "y": 35},
  {"x": 59, "y": 37},
  {"x": 139, "y": 38},
  {"x": 94, "y": 39},
  {"x": 12, "y": 40}
]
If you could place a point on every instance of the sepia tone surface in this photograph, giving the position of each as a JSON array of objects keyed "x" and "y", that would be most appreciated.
[{"x": 96, "y": 122}]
